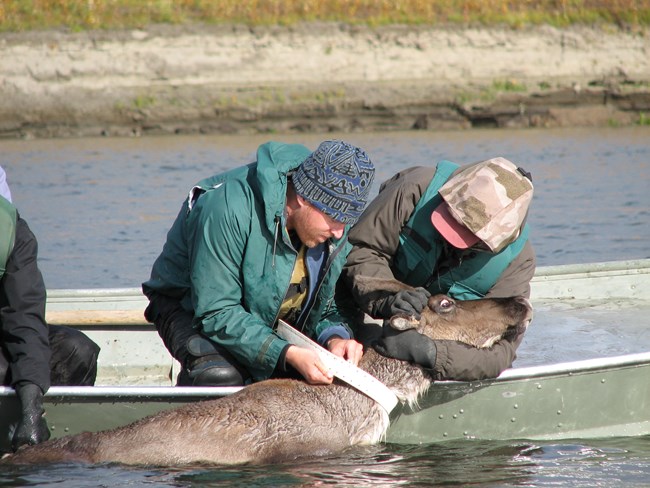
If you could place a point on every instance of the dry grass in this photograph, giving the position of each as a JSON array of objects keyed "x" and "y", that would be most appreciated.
[{"x": 21, "y": 15}]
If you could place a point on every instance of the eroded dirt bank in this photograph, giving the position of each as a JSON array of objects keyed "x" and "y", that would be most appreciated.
[{"x": 318, "y": 77}]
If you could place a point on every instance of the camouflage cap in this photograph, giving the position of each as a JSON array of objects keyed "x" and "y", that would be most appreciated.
[{"x": 490, "y": 199}]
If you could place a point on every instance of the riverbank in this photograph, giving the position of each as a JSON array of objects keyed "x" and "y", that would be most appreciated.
[{"x": 318, "y": 78}]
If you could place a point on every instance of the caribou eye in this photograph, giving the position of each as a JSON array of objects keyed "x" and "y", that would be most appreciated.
[{"x": 445, "y": 305}]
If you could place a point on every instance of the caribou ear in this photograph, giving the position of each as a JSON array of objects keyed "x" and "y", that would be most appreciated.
[{"x": 403, "y": 322}]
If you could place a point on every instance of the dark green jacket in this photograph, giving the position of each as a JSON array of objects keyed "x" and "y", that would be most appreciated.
[
  {"x": 8, "y": 216},
  {"x": 228, "y": 258}
]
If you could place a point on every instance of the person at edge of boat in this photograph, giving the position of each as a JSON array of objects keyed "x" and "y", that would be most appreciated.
[
  {"x": 33, "y": 355},
  {"x": 4, "y": 186},
  {"x": 460, "y": 231},
  {"x": 255, "y": 244}
]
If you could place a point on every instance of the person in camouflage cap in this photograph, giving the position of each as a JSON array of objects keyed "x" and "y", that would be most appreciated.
[{"x": 455, "y": 230}]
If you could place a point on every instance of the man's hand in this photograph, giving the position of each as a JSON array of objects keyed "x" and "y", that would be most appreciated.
[
  {"x": 309, "y": 365},
  {"x": 409, "y": 302},
  {"x": 348, "y": 349},
  {"x": 32, "y": 428}
]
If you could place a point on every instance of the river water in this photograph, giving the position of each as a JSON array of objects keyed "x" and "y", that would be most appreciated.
[{"x": 100, "y": 209}]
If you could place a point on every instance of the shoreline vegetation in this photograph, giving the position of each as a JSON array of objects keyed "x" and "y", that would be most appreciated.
[
  {"x": 71, "y": 68},
  {"x": 77, "y": 15}
]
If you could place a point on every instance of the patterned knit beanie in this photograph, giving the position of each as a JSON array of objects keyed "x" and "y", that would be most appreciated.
[{"x": 336, "y": 179}]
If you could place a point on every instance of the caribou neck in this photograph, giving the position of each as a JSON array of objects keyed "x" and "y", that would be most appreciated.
[{"x": 407, "y": 381}]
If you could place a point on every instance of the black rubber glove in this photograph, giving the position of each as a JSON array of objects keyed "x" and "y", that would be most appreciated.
[
  {"x": 32, "y": 428},
  {"x": 408, "y": 345},
  {"x": 409, "y": 302}
]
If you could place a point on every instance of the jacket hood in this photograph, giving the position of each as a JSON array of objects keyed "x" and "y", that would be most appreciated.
[{"x": 275, "y": 160}]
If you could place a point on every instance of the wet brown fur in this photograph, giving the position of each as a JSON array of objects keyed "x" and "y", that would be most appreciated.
[{"x": 280, "y": 420}]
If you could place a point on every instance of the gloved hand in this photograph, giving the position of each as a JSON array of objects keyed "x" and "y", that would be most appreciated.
[
  {"x": 408, "y": 345},
  {"x": 32, "y": 428},
  {"x": 409, "y": 302}
]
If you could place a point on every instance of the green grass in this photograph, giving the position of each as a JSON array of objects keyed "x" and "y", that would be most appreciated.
[
  {"x": 508, "y": 86},
  {"x": 488, "y": 94},
  {"x": 142, "y": 102},
  {"x": 75, "y": 15},
  {"x": 644, "y": 119}
]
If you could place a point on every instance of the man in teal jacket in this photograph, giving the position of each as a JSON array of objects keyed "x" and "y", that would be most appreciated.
[{"x": 259, "y": 243}]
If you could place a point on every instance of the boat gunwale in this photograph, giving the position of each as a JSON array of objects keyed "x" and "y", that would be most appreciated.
[
  {"x": 542, "y": 273},
  {"x": 509, "y": 375},
  {"x": 631, "y": 266}
]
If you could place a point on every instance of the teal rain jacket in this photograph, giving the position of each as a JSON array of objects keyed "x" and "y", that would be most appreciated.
[{"x": 228, "y": 258}]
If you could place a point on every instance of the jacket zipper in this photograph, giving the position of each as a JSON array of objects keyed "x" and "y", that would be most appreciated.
[
  {"x": 275, "y": 239},
  {"x": 275, "y": 242},
  {"x": 330, "y": 259}
]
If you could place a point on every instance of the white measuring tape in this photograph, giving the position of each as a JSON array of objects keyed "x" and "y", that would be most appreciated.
[{"x": 348, "y": 372}]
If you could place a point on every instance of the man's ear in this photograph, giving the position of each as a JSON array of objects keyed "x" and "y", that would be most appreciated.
[{"x": 301, "y": 201}]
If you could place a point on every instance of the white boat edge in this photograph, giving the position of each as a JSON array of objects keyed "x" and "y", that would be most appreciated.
[{"x": 512, "y": 374}]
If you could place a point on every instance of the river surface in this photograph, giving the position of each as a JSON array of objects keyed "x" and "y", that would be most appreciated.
[{"x": 100, "y": 209}]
